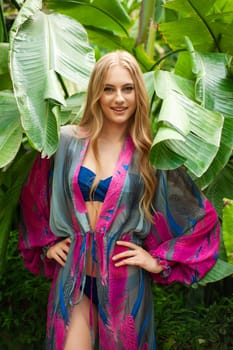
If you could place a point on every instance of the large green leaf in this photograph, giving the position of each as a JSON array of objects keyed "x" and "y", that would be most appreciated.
[
  {"x": 5, "y": 80},
  {"x": 186, "y": 128},
  {"x": 221, "y": 270},
  {"x": 44, "y": 47},
  {"x": 4, "y": 50},
  {"x": 207, "y": 23},
  {"x": 163, "y": 157},
  {"x": 10, "y": 128},
  {"x": 108, "y": 40},
  {"x": 228, "y": 228},
  {"x": 72, "y": 112},
  {"x": 214, "y": 87},
  {"x": 214, "y": 90},
  {"x": 106, "y": 22},
  {"x": 102, "y": 14},
  {"x": 221, "y": 187}
]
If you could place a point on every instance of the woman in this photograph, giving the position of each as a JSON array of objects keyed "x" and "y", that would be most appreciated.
[{"x": 101, "y": 222}]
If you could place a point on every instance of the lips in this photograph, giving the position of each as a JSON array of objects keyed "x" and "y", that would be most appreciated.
[{"x": 119, "y": 109}]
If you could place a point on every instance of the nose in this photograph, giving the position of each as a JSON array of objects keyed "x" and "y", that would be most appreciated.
[{"x": 119, "y": 98}]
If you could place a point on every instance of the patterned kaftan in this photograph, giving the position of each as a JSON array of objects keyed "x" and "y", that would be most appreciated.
[{"x": 184, "y": 237}]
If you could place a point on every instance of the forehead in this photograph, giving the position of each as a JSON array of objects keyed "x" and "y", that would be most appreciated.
[{"x": 118, "y": 75}]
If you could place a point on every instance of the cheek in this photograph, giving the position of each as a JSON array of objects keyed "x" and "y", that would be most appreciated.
[
  {"x": 133, "y": 98},
  {"x": 103, "y": 102},
  {"x": 133, "y": 102}
]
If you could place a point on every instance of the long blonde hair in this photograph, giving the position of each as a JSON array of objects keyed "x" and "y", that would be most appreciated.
[{"x": 139, "y": 127}]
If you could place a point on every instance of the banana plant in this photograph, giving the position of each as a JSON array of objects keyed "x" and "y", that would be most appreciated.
[
  {"x": 187, "y": 79},
  {"x": 194, "y": 125},
  {"x": 47, "y": 59},
  {"x": 208, "y": 24},
  {"x": 59, "y": 51}
]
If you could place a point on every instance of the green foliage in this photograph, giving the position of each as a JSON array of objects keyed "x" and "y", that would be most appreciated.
[
  {"x": 200, "y": 136},
  {"x": 23, "y": 302},
  {"x": 103, "y": 14},
  {"x": 59, "y": 50},
  {"x": 185, "y": 319},
  {"x": 46, "y": 65},
  {"x": 220, "y": 270},
  {"x": 221, "y": 187},
  {"x": 11, "y": 180},
  {"x": 11, "y": 132},
  {"x": 208, "y": 24},
  {"x": 228, "y": 228},
  {"x": 194, "y": 134}
]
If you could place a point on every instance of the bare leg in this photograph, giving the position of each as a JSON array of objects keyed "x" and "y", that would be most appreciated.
[{"x": 79, "y": 335}]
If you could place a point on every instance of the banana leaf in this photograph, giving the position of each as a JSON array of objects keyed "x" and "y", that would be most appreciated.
[
  {"x": 106, "y": 39},
  {"x": 106, "y": 22},
  {"x": 208, "y": 24},
  {"x": 103, "y": 14},
  {"x": 11, "y": 132},
  {"x": 4, "y": 47},
  {"x": 221, "y": 270},
  {"x": 190, "y": 131},
  {"x": 214, "y": 90},
  {"x": 44, "y": 48},
  {"x": 228, "y": 228},
  {"x": 73, "y": 111}
]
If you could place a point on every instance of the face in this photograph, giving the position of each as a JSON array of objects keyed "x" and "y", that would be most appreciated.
[{"x": 118, "y": 101}]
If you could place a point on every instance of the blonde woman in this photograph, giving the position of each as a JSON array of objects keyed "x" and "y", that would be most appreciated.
[{"x": 104, "y": 224}]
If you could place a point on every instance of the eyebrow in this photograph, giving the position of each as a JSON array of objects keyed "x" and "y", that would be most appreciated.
[{"x": 125, "y": 84}]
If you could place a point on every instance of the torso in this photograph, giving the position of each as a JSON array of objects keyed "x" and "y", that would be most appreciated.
[{"x": 108, "y": 156}]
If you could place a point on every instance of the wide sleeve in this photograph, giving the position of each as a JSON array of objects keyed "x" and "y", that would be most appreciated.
[
  {"x": 185, "y": 235},
  {"x": 34, "y": 230}
]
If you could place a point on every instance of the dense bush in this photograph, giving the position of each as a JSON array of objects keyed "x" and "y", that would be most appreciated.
[
  {"x": 186, "y": 318},
  {"x": 23, "y": 300}
]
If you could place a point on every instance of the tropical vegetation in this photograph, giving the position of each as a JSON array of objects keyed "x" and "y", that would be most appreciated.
[{"x": 184, "y": 47}]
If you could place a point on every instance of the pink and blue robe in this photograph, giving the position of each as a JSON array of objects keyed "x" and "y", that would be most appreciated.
[{"x": 184, "y": 238}]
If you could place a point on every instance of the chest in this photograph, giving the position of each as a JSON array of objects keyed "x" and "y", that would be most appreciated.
[{"x": 102, "y": 161}]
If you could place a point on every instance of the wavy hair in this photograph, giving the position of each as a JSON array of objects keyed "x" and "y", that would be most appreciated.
[{"x": 139, "y": 126}]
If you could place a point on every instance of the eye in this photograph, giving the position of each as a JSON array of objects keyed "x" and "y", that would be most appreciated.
[
  {"x": 128, "y": 89},
  {"x": 108, "y": 89}
]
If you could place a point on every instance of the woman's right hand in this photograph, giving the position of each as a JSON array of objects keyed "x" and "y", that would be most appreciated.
[{"x": 59, "y": 251}]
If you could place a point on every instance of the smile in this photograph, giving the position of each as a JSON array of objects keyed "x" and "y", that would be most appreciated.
[{"x": 119, "y": 109}]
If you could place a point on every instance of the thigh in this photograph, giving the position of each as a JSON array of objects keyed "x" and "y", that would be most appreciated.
[{"x": 78, "y": 333}]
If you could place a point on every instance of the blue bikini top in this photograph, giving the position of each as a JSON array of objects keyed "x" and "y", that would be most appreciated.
[{"x": 85, "y": 181}]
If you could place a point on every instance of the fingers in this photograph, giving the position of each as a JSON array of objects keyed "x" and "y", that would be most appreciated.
[
  {"x": 59, "y": 251},
  {"x": 125, "y": 254},
  {"x": 59, "y": 259},
  {"x": 136, "y": 256},
  {"x": 130, "y": 256},
  {"x": 127, "y": 244},
  {"x": 134, "y": 249},
  {"x": 130, "y": 261}
]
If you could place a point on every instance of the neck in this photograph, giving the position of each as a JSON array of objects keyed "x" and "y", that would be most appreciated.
[{"x": 113, "y": 134}]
